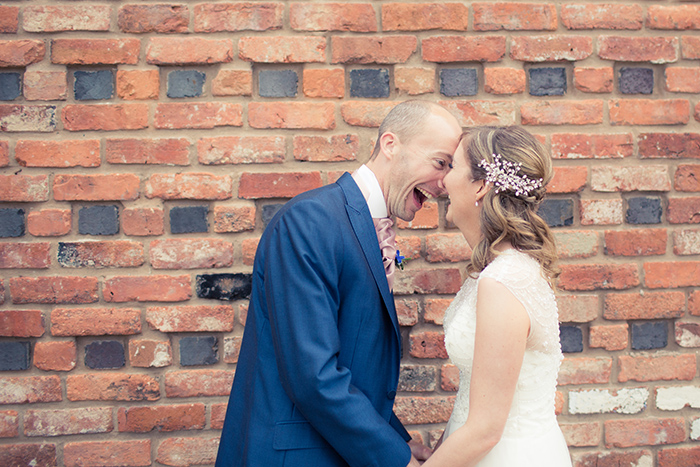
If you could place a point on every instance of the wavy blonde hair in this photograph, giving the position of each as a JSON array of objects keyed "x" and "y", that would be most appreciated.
[{"x": 506, "y": 217}]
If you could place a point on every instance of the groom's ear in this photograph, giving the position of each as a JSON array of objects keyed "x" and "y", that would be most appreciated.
[{"x": 389, "y": 144}]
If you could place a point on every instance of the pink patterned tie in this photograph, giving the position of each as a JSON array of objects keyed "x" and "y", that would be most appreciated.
[{"x": 387, "y": 245}]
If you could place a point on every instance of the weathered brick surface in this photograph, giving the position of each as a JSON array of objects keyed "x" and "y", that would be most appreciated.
[
  {"x": 161, "y": 418},
  {"x": 55, "y": 289},
  {"x": 95, "y": 321},
  {"x": 21, "y": 323},
  {"x": 133, "y": 453}
]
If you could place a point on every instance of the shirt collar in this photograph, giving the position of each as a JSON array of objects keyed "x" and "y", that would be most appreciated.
[{"x": 375, "y": 196}]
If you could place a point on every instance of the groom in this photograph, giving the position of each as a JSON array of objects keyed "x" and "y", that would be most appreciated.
[{"x": 319, "y": 363}]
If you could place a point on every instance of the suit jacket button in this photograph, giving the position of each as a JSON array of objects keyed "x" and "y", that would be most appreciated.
[{"x": 391, "y": 395}]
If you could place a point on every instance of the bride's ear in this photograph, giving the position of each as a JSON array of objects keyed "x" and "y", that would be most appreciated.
[{"x": 484, "y": 187}]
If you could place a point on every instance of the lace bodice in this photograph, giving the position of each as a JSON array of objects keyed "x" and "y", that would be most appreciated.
[{"x": 532, "y": 410}]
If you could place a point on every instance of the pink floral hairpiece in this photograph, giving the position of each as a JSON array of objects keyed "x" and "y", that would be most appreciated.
[{"x": 503, "y": 175}]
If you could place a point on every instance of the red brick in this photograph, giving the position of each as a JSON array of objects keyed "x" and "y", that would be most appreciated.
[
  {"x": 9, "y": 419},
  {"x": 592, "y": 146},
  {"x": 578, "y": 308},
  {"x": 447, "y": 247},
  {"x": 687, "y": 334},
  {"x": 513, "y": 16},
  {"x": 608, "y": 16},
  {"x": 105, "y": 117},
  {"x": 161, "y": 418},
  {"x": 407, "y": 312},
  {"x": 585, "y": 370},
  {"x": 424, "y": 16},
  {"x": 21, "y": 323},
  {"x": 65, "y": 153},
  {"x": 101, "y": 254},
  {"x": 586, "y": 112},
  {"x": 187, "y": 451},
  {"x": 2, "y": 292},
  {"x": 648, "y": 432},
  {"x": 335, "y": 148},
  {"x": 677, "y": 17},
  {"x": 427, "y": 217},
  {"x": 248, "y": 249},
  {"x": 414, "y": 80},
  {"x": 138, "y": 19},
  {"x": 570, "y": 179},
  {"x": 449, "y": 377},
  {"x": 189, "y": 186},
  {"x": 9, "y": 19},
  {"x": 683, "y": 211},
  {"x": 4, "y": 154},
  {"x": 282, "y": 49},
  {"x": 277, "y": 185},
  {"x": 680, "y": 367},
  {"x": 601, "y": 212},
  {"x": 576, "y": 243},
  {"x": 57, "y": 289},
  {"x": 598, "y": 276},
  {"x": 34, "y": 118},
  {"x": 112, "y": 387},
  {"x": 445, "y": 49},
  {"x": 151, "y": 288},
  {"x": 350, "y": 17},
  {"x": 610, "y": 337},
  {"x": 504, "y": 80},
  {"x": 25, "y": 255},
  {"x": 24, "y": 188},
  {"x": 43, "y": 454},
  {"x": 95, "y": 51},
  {"x": 410, "y": 247},
  {"x": 649, "y": 112},
  {"x": 365, "y": 114},
  {"x": 686, "y": 242},
  {"x": 638, "y": 242},
  {"x": 166, "y": 151},
  {"x": 647, "y": 305},
  {"x": 198, "y": 383},
  {"x": 118, "y": 187},
  {"x": 685, "y": 456},
  {"x": 428, "y": 281},
  {"x": 191, "y": 318},
  {"x": 229, "y": 219},
  {"x": 375, "y": 49},
  {"x": 131, "y": 453},
  {"x": 633, "y": 178},
  {"x": 188, "y": 51},
  {"x": 143, "y": 221},
  {"x": 656, "y": 50},
  {"x": 427, "y": 344},
  {"x": 232, "y": 349},
  {"x": 683, "y": 79},
  {"x": 596, "y": 80},
  {"x": 20, "y": 53},
  {"x": 138, "y": 84},
  {"x": 241, "y": 150},
  {"x": 191, "y": 253},
  {"x": 552, "y": 48},
  {"x": 55, "y": 355},
  {"x": 49, "y": 222},
  {"x": 582, "y": 434},
  {"x": 203, "y": 115},
  {"x": 45, "y": 85},
  {"x": 672, "y": 274},
  {"x": 242, "y": 313},
  {"x": 687, "y": 178},
  {"x": 324, "y": 82},
  {"x": 146, "y": 353},
  {"x": 232, "y": 83},
  {"x": 477, "y": 112},
  {"x": 669, "y": 145},
  {"x": 95, "y": 321},
  {"x": 30, "y": 389},
  {"x": 59, "y": 422},
  {"x": 420, "y": 410},
  {"x": 238, "y": 16},
  {"x": 690, "y": 47},
  {"x": 292, "y": 115},
  {"x": 60, "y": 18}
]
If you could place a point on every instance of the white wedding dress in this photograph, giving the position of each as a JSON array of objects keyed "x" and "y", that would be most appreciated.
[{"x": 532, "y": 437}]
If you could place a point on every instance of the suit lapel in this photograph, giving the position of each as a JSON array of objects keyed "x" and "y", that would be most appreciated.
[{"x": 361, "y": 221}]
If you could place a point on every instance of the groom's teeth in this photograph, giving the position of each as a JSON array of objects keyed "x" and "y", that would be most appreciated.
[{"x": 425, "y": 193}]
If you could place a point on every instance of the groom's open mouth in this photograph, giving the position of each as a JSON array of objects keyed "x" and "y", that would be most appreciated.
[{"x": 420, "y": 195}]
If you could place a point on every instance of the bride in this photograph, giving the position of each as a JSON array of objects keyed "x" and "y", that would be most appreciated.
[{"x": 501, "y": 330}]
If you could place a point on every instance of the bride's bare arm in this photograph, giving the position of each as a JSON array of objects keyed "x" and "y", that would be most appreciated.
[{"x": 502, "y": 327}]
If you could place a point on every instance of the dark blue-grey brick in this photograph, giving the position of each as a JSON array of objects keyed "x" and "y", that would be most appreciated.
[
  {"x": 647, "y": 336},
  {"x": 547, "y": 81},
  {"x": 571, "y": 338},
  {"x": 198, "y": 351},
  {"x": 369, "y": 82},
  {"x": 14, "y": 355},
  {"x": 185, "y": 83},
  {"x": 458, "y": 82},
  {"x": 636, "y": 80},
  {"x": 269, "y": 211},
  {"x": 10, "y": 86},
  {"x": 103, "y": 355},
  {"x": 11, "y": 222},
  {"x": 189, "y": 219},
  {"x": 98, "y": 220},
  {"x": 644, "y": 210},
  {"x": 93, "y": 85},
  {"x": 557, "y": 212},
  {"x": 277, "y": 83},
  {"x": 224, "y": 286}
]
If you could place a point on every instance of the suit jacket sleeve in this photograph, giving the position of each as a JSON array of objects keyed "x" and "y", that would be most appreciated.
[{"x": 301, "y": 275}]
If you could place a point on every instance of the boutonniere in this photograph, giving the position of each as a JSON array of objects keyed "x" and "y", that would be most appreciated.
[{"x": 400, "y": 261}]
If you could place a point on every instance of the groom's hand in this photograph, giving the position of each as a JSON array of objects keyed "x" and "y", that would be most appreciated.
[
  {"x": 414, "y": 462},
  {"x": 419, "y": 451}
]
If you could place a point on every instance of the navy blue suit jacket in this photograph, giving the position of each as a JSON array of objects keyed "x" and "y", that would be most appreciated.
[{"x": 318, "y": 369}]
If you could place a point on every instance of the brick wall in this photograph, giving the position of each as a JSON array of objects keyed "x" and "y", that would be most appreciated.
[{"x": 144, "y": 147}]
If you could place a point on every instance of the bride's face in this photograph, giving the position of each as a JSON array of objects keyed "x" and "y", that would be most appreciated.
[{"x": 462, "y": 190}]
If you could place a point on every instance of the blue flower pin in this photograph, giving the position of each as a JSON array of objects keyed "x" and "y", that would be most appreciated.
[{"x": 399, "y": 260}]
